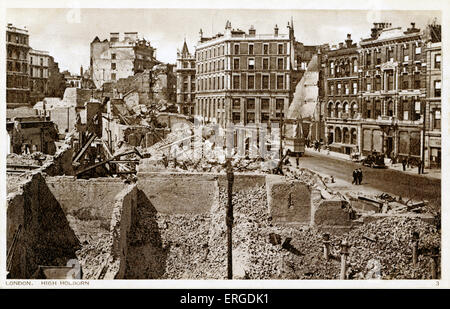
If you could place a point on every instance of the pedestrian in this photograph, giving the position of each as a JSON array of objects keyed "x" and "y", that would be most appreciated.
[
  {"x": 404, "y": 164},
  {"x": 408, "y": 162},
  {"x": 419, "y": 166},
  {"x": 355, "y": 176},
  {"x": 360, "y": 176}
]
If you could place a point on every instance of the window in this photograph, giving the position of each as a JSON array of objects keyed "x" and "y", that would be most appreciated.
[
  {"x": 437, "y": 61},
  {"x": 406, "y": 53},
  {"x": 265, "y": 104},
  {"x": 416, "y": 110},
  {"x": 347, "y": 90},
  {"x": 437, "y": 88},
  {"x": 280, "y": 82},
  {"x": 390, "y": 80},
  {"x": 266, "y": 49},
  {"x": 332, "y": 89},
  {"x": 265, "y": 63},
  {"x": 251, "y": 103},
  {"x": 378, "y": 83},
  {"x": 390, "y": 55},
  {"x": 251, "y": 82},
  {"x": 331, "y": 68},
  {"x": 236, "y": 63},
  {"x": 280, "y": 49},
  {"x": 418, "y": 50},
  {"x": 405, "y": 82},
  {"x": 378, "y": 55},
  {"x": 113, "y": 66},
  {"x": 368, "y": 57},
  {"x": 113, "y": 76},
  {"x": 236, "y": 49},
  {"x": 265, "y": 82},
  {"x": 250, "y": 49},
  {"x": 280, "y": 63},
  {"x": 279, "y": 104},
  {"x": 339, "y": 87},
  {"x": 416, "y": 81},
  {"x": 236, "y": 81},
  {"x": 236, "y": 103},
  {"x": 377, "y": 109},
  {"x": 355, "y": 65},
  {"x": 251, "y": 63},
  {"x": 355, "y": 88},
  {"x": 437, "y": 119},
  {"x": 113, "y": 56},
  {"x": 222, "y": 86}
]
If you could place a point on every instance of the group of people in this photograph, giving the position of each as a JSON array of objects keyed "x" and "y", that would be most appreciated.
[{"x": 357, "y": 176}]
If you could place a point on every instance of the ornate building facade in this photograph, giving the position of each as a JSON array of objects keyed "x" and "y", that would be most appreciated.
[
  {"x": 185, "y": 72},
  {"x": 17, "y": 74},
  {"x": 341, "y": 81},
  {"x": 244, "y": 77}
]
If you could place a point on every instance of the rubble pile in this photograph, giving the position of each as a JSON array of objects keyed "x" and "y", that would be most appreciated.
[
  {"x": 177, "y": 246},
  {"x": 95, "y": 245},
  {"x": 36, "y": 159},
  {"x": 286, "y": 252},
  {"x": 389, "y": 241}
]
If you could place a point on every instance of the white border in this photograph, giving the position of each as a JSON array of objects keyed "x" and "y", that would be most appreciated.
[{"x": 245, "y": 4}]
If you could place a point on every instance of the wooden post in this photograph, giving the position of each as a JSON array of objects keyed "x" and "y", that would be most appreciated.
[
  {"x": 229, "y": 219},
  {"x": 415, "y": 248},
  {"x": 326, "y": 246},
  {"x": 344, "y": 252},
  {"x": 434, "y": 262}
]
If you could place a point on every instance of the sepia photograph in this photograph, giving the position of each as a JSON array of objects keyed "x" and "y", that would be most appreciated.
[{"x": 222, "y": 144}]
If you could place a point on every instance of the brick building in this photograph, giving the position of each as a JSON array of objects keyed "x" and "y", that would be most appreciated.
[
  {"x": 433, "y": 100},
  {"x": 185, "y": 72},
  {"x": 244, "y": 77},
  {"x": 120, "y": 58},
  {"x": 56, "y": 80},
  {"x": 39, "y": 74},
  {"x": 341, "y": 82},
  {"x": 17, "y": 74},
  {"x": 393, "y": 91}
]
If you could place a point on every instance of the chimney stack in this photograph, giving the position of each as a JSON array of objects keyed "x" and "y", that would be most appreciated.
[
  {"x": 349, "y": 40},
  {"x": 276, "y": 30},
  {"x": 114, "y": 36},
  {"x": 81, "y": 71},
  {"x": 252, "y": 31}
]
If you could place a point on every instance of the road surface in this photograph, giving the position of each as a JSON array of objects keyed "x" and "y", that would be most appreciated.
[{"x": 386, "y": 180}]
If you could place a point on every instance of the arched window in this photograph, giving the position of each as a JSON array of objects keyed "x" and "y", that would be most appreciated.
[
  {"x": 337, "y": 110},
  {"x": 390, "y": 109},
  {"x": 346, "y": 134},
  {"x": 345, "y": 107},
  {"x": 353, "y": 137},
  {"x": 353, "y": 110},
  {"x": 337, "y": 135},
  {"x": 330, "y": 109}
]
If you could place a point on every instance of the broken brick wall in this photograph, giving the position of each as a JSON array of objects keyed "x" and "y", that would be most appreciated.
[{"x": 46, "y": 237}]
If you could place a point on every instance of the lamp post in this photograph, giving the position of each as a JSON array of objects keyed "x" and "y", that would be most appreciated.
[{"x": 229, "y": 218}]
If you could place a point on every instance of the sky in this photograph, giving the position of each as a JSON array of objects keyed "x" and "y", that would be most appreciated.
[{"x": 67, "y": 33}]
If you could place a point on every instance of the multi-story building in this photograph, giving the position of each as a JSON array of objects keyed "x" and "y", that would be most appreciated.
[
  {"x": 244, "y": 77},
  {"x": 185, "y": 72},
  {"x": 17, "y": 74},
  {"x": 433, "y": 49},
  {"x": 392, "y": 96},
  {"x": 39, "y": 74},
  {"x": 341, "y": 84},
  {"x": 120, "y": 58}
]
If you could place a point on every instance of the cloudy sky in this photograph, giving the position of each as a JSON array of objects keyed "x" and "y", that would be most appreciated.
[{"x": 67, "y": 33}]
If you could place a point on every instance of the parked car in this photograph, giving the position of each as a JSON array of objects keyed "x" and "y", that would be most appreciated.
[{"x": 374, "y": 160}]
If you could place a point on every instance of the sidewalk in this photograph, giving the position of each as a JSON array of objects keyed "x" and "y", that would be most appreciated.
[{"x": 429, "y": 173}]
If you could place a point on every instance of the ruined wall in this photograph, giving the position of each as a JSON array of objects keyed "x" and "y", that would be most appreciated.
[
  {"x": 64, "y": 118},
  {"x": 194, "y": 192},
  {"x": 46, "y": 237},
  {"x": 88, "y": 199}
]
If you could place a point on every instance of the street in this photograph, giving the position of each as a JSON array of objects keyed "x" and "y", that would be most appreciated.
[{"x": 390, "y": 181}]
